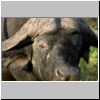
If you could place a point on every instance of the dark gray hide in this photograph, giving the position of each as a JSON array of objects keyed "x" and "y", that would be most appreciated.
[{"x": 57, "y": 46}]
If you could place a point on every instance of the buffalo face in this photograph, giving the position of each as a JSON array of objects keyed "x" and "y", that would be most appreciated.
[{"x": 56, "y": 57}]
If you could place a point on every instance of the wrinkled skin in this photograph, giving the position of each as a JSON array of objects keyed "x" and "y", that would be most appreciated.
[{"x": 55, "y": 55}]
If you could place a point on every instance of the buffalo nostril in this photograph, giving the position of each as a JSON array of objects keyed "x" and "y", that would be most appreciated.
[
  {"x": 61, "y": 75},
  {"x": 67, "y": 74}
]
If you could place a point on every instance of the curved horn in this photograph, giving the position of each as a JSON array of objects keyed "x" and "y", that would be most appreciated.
[{"x": 32, "y": 28}]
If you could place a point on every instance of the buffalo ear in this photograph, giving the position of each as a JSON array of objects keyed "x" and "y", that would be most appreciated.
[
  {"x": 89, "y": 35},
  {"x": 91, "y": 41},
  {"x": 85, "y": 55}
]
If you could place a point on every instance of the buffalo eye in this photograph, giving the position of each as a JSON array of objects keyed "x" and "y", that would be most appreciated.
[{"x": 43, "y": 46}]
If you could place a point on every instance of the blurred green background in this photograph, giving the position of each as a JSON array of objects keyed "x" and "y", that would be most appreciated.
[{"x": 89, "y": 71}]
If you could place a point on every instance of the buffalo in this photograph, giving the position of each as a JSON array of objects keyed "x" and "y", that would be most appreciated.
[{"x": 45, "y": 49}]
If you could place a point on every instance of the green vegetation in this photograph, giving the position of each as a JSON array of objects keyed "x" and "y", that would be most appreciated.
[{"x": 89, "y": 71}]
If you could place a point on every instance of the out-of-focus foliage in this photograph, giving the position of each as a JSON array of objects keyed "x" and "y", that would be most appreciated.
[{"x": 89, "y": 72}]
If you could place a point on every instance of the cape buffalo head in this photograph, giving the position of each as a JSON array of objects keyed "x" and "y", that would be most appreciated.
[{"x": 57, "y": 46}]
